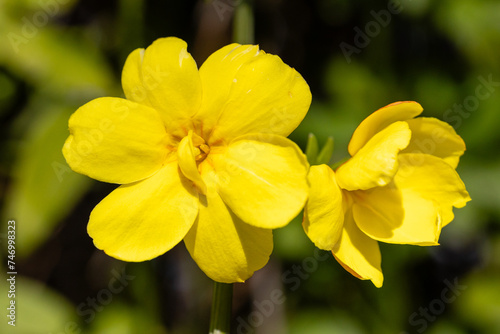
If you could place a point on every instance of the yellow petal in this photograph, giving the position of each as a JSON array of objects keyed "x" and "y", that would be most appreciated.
[
  {"x": 323, "y": 214},
  {"x": 376, "y": 163},
  {"x": 432, "y": 178},
  {"x": 143, "y": 220},
  {"x": 265, "y": 96},
  {"x": 358, "y": 253},
  {"x": 116, "y": 140},
  {"x": 168, "y": 75},
  {"x": 446, "y": 215},
  {"x": 132, "y": 78},
  {"x": 263, "y": 179},
  {"x": 187, "y": 162},
  {"x": 432, "y": 136},
  {"x": 224, "y": 247},
  {"x": 394, "y": 215},
  {"x": 217, "y": 74},
  {"x": 397, "y": 111}
]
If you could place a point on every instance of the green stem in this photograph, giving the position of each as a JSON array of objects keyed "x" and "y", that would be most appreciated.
[
  {"x": 243, "y": 24},
  {"x": 220, "y": 319}
]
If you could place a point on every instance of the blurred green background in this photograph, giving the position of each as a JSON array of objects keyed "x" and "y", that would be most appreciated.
[{"x": 357, "y": 56}]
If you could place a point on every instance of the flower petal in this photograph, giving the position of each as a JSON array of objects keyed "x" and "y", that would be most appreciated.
[
  {"x": 265, "y": 96},
  {"x": 217, "y": 74},
  {"x": 395, "y": 215},
  {"x": 132, "y": 84},
  {"x": 166, "y": 77},
  {"x": 432, "y": 136},
  {"x": 263, "y": 179},
  {"x": 376, "y": 163},
  {"x": 323, "y": 214},
  {"x": 432, "y": 178},
  {"x": 140, "y": 221},
  {"x": 187, "y": 162},
  {"x": 358, "y": 254},
  {"x": 224, "y": 247},
  {"x": 115, "y": 140},
  {"x": 377, "y": 121}
]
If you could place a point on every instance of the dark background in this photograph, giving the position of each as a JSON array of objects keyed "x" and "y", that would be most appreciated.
[{"x": 56, "y": 55}]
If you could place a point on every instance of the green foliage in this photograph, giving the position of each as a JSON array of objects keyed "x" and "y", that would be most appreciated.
[
  {"x": 43, "y": 189},
  {"x": 46, "y": 309},
  {"x": 322, "y": 157}
]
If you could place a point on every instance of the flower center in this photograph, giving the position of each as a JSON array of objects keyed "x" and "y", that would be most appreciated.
[
  {"x": 200, "y": 148},
  {"x": 192, "y": 150}
]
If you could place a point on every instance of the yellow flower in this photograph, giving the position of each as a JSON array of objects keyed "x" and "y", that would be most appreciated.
[
  {"x": 201, "y": 156},
  {"x": 399, "y": 186}
]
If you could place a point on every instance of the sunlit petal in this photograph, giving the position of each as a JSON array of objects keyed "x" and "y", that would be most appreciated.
[
  {"x": 376, "y": 163},
  {"x": 116, "y": 140},
  {"x": 394, "y": 112},
  {"x": 224, "y": 247},
  {"x": 217, "y": 74},
  {"x": 187, "y": 162},
  {"x": 265, "y": 96},
  {"x": 143, "y": 220},
  {"x": 432, "y": 136},
  {"x": 171, "y": 79},
  {"x": 263, "y": 179},
  {"x": 323, "y": 214},
  {"x": 132, "y": 78}
]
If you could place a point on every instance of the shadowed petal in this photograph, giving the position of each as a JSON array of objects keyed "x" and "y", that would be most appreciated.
[
  {"x": 358, "y": 253},
  {"x": 432, "y": 178},
  {"x": 395, "y": 215}
]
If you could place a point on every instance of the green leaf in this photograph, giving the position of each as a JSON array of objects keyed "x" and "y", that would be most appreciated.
[
  {"x": 55, "y": 60},
  {"x": 325, "y": 155},
  {"x": 312, "y": 149},
  {"x": 38, "y": 309},
  {"x": 43, "y": 189}
]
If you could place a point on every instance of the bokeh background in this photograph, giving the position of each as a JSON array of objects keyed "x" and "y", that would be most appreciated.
[{"x": 56, "y": 55}]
